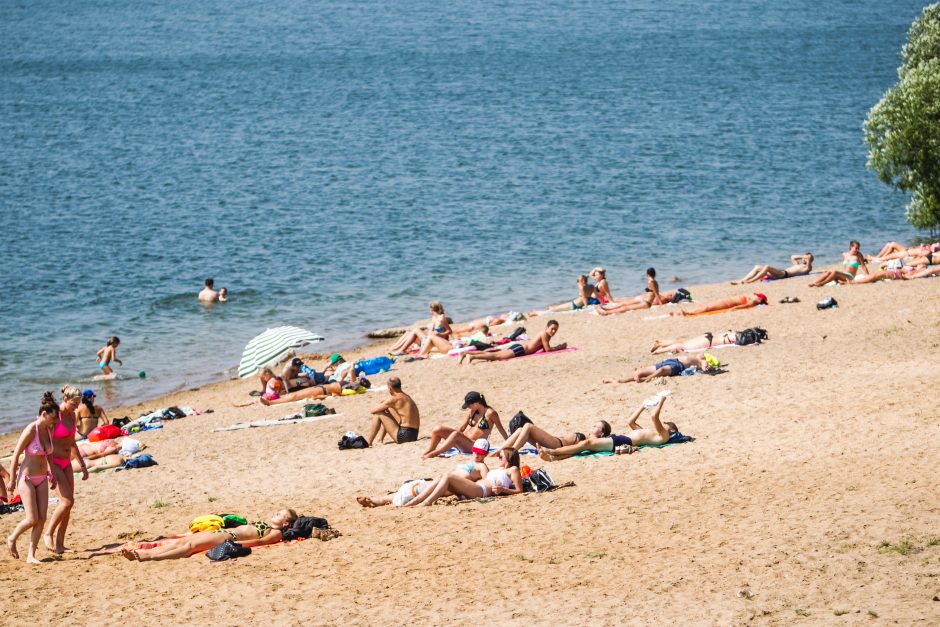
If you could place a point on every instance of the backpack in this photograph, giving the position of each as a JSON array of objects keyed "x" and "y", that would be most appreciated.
[
  {"x": 120, "y": 422},
  {"x": 228, "y": 550},
  {"x": 754, "y": 335},
  {"x": 517, "y": 421},
  {"x": 303, "y": 527},
  {"x": 314, "y": 409},
  {"x": 209, "y": 522},
  {"x": 681, "y": 295},
  {"x": 538, "y": 481},
  {"x": 172, "y": 413},
  {"x": 348, "y": 442}
]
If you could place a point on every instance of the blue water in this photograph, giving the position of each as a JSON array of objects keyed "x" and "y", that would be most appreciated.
[{"x": 339, "y": 164}]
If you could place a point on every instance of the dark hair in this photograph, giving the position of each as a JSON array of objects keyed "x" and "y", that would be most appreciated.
[
  {"x": 114, "y": 340},
  {"x": 605, "y": 430},
  {"x": 672, "y": 427},
  {"x": 651, "y": 272},
  {"x": 513, "y": 459},
  {"x": 48, "y": 404},
  {"x": 485, "y": 329},
  {"x": 89, "y": 402},
  {"x": 552, "y": 322},
  {"x": 291, "y": 518},
  {"x": 394, "y": 383},
  {"x": 854, "y": 242},
  {"x": 210, "y": 283}
]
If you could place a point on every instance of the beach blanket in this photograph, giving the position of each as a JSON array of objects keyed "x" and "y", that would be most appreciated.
[
  {"x": 490, "y": 499},
  {"x": 683, "y": 439},
  {"x": 293, "y": 419}
]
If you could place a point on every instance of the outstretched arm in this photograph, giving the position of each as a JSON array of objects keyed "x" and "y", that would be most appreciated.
[
  {"x": 660, "y": 428},
  {"x": 635, "y": 416}
]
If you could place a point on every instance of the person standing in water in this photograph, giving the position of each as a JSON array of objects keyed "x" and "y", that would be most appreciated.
[
  {"x": 208, "y": 293},
  {"x": 107, "y": 354}
]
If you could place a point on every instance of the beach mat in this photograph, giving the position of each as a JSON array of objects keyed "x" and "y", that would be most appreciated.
[{"x": 274, "y": 423}]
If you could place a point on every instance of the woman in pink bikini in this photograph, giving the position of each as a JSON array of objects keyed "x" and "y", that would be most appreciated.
[
  {"x": 32, "y": 480},
  {"x": 63, "y": 449}
]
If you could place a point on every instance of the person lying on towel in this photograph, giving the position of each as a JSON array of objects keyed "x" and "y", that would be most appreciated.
[
  {"x": 661, "y": 433},
  {"x": 670, "y": 368},
  {"x": 536, "y": 344}
]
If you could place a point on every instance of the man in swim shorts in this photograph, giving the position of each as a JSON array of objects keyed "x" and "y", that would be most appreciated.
[
  {"x": 661, "y": 433},
  {"x": 396, "y": 417},
  {"x": 208, "y": 294},
  {"x": 670, "y": 368},
  {"x": 540, "y": 343}
]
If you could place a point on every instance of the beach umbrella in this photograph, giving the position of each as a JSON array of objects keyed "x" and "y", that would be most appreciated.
[{"x": 271, "y": 346}]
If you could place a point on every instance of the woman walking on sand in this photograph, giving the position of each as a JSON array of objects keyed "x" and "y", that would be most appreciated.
[
  {"x": 32, "y": 480},
  {"x": 63, "y": 449}
]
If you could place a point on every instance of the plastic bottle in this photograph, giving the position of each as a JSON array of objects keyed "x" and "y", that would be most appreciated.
[{"x": 374, "y": 365}]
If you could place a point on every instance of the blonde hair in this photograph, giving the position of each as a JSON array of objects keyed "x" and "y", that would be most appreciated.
[
  {"x": 599, "y": 270},
  {"x": 436, "y": 306},
  {"x": 70, "y": 391}
]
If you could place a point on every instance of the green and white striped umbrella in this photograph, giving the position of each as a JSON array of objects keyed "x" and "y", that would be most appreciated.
[{"x": 269, "y": 347}]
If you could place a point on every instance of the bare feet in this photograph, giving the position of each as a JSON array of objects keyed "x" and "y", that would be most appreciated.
[
  {"x": 365, "y": 501},
  {"x": 608, "y": 380},
  {"x": 130, "y": 554},
  {"x": 264, "y": 401},
  {"x": 545, "y": 454},
  {"x": 47, "y": 539},
  {"x": 11, "y": 544},
  {"x": 31, "y": 559}
]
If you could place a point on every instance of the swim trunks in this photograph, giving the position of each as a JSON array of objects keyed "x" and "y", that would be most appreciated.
[
  {"x": 518, "y": 350},
  {"x": 406, "y": 434},
  {"x": 674, "y": 364},
  {"x": 593, "y": 301},
  {"x": 103, "y": 365},
  {"x": 620, "y": 440}
]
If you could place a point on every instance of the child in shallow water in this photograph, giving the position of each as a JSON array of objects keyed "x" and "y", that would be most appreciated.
[{"x": 107, "y": 354}]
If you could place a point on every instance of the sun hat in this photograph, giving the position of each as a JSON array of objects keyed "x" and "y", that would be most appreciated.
[
  {"x": 335, "y": 357},
  {"x": 471, "y": 398},
  {"x": 481, "y": 446}
]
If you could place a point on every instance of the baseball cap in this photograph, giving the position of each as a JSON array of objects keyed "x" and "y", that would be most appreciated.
[
  {"x": 471, "y": 398},
  {"x": 481, "y": 446},
  {"x": 335, "y": 357}
]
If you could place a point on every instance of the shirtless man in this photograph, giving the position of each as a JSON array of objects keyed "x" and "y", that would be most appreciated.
[
  {"x": 396, "y": 417},
  {"x": 637, "y": 436},
  {"x": 540, "y": 343},
  {"x": 208, "y": 294},
  {"x": 800, "y": 265},
  {"x": 669, "y": 368}
]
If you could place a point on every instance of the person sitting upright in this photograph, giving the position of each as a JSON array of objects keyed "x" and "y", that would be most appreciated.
[
  {"x": 396, "y": 417},
  {"x": 540, "y": 343},
  {"x": 587, "y": 295},
  {"x": 478, "y": 423},
  {"x": 799, "y": 265},
  {"x": 661, "y": 433}
]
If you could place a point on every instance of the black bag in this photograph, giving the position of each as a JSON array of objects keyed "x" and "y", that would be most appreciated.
[
  {"x": 172, "y": 413},
  {"x": 681, "y": 295},
  {"x": 517, "y": 421},
  {"x": 827, "y": 303},
  {"x": 538, "y": 481},
  {"x": 347, "y": 442},
  {"x": 120, "y": 422},
  {"x": 228, "y": 550},
  {"x": 754, "y": 335},
  {"x": 480, "y": 346},
  {"x": 515, "y": 334},
  {"x": 303, "y": 527}
]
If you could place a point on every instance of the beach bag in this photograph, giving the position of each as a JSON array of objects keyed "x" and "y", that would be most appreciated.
[
  {"x": 120, "y": 422},
  {"x": 303, "y": 527},
  {"x": 538, "y": 481},
  {"x": 228, "y": 550},
  {"x": 232, "y": 520},
  {"x": 313, "y": 410},
  {"x": 105, "y": 432},
  {"x": 141, "y": 461},
  {"x": 352, "y": 440},
  {"x": 517, "y": 421},
  {"x": 754, "y": 335},
  {"x": 681, "y": 295},
  {"x": 209, "y": 522}
]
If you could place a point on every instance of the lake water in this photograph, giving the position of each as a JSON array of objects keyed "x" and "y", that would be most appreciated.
[{"x": 337, "y": 165}]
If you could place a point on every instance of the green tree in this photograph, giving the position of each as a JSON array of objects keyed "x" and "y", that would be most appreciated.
[{"x": 903, "y": 129}]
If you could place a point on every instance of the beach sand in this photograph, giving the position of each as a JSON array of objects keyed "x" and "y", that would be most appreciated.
[{"x": 812, "y": 451}]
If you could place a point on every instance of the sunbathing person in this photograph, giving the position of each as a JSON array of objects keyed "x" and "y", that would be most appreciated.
[
  {"x": 601, "y": 287},
  {"x": 105, "y": 462},
  {"x": 893, "y": 250},
  {"x": 489, "y": 321},
  {"x": 258, "y": 533},
  {"x": 540, "y": 343},
  {"x": 587, "y": 295},
  {"x": 101, "y": 448},
  {"x": 474, "y": 471},
  {"x": 396, "y": 417},
  {"x": 852, "y": 260},
  {"x": 925, "y": 272},
  {"x": 89, "y": 414},
  {"x": 699, "y": 342},
  {"x": 650, "y": 297},
  {"x": 725, "y": 304},
  {"x": 439, "y": 327},
  {"x": 505, "y": 480},
  {"x": 883, "y": 275},
  {"x": 316, "y": 392},
  {"x": 627, "y": 443},
  {"x": 799, "y": 265},
  {"x": 529, "y": 433},
  {"x": 478, "y": 423},
  {"x": 670, "y": 368}
]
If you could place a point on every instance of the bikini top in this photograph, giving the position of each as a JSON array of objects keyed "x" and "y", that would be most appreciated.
[
  {"x": 35, "y": 447},
  {"x": 482, "y": 423},
  {"x": 61, "y": 432}
]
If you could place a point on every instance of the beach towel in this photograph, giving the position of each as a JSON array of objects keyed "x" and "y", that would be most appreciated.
[
  {"x": 676, "y": 438},
  {"x": 292, "y": 419}
]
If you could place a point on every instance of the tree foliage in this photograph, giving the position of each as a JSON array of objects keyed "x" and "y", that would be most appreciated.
[{"x": 903, "y": 129}]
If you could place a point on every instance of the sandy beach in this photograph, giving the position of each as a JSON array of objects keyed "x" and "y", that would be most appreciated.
[{"x": 810, "y": 495}]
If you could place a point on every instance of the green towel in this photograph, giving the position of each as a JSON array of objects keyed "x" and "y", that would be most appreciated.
[{"x": 642, "y": 446}]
